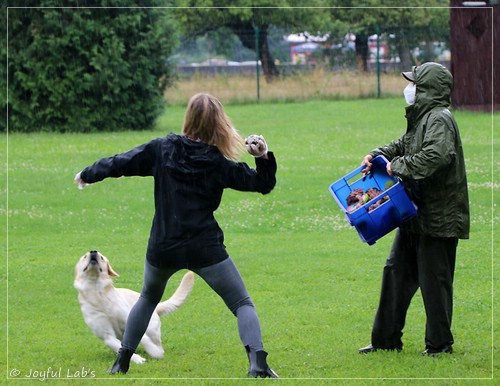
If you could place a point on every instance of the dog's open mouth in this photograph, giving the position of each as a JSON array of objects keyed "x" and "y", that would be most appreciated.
[{"x": 94, "y": 262}]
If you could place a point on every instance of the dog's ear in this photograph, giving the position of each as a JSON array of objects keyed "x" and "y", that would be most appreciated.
[{"x": 111, "y": 271}]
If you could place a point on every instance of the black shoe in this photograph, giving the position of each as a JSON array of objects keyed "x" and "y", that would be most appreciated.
[
  {"x": 258, "y": 364},
  {"x": 431, "y": 351},
  {"x": 368, "y": 349},
  {"x": 122, "y": 362}
]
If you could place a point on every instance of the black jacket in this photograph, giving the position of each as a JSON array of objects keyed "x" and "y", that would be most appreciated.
[{"x": 189, "y": 177}]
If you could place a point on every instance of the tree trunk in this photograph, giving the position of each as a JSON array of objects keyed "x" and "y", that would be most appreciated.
[
  {"x": 362, "y": 52},
  {"x": 270, "y": 70},
  {"x": 403, "y": 47},
  {"x": 405, "y": 56},
  {"x": 246, "y": 34}
]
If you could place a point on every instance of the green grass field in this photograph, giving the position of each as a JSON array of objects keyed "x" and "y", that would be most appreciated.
[{"x": 315, "y": 284}]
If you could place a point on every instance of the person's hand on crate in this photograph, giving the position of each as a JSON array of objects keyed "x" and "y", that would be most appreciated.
[
  {"x": 367, "y": 163},
  {"x": 389, "y": 169}
]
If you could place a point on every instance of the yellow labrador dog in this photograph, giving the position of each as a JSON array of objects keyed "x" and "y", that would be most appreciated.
[{"x": 105, "y": 308}]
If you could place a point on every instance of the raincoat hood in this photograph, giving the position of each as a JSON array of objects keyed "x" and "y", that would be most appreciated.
[
  {"x": 434, "y": 85},
  {"x": 187, "y": 156}
]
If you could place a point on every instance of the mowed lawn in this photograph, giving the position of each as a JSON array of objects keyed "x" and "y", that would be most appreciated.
[{"x": 314, "y": 283}]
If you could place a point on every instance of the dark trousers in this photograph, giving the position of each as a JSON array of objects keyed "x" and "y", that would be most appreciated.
[
  {"x": 416, "y": 261},
  {"x": 223, "y": 277}
]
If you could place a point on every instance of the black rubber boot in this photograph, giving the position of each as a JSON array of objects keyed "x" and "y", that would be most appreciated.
[
  {"x": 258, "y": 364},
  {"x": 122, "y": 362}
]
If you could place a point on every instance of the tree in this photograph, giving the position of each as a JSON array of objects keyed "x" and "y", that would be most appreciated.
[
  {"x": 250, "y": 21},
  {"x": 87, "y": 69},
  {"x": 425, "y": 21}
]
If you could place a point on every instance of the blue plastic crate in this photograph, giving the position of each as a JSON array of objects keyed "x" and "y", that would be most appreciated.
[{"x": 372, "y": 225}]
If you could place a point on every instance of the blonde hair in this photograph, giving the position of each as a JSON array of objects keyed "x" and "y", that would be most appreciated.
[{"x": 206, "y": 121}]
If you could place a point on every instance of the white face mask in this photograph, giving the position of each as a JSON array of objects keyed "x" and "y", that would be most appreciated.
[{"x": 409, "y": 93}]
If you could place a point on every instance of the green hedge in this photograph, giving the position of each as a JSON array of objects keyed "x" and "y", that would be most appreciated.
[{"x": 87, "y": 69}]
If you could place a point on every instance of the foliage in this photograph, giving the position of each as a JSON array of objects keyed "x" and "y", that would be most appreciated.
[
  {"x": 250, "y": 20},
  {"x": 3, "y": 68},
  {"x": 87, "y": 69},
  {"x": 314, "y": 283},
  {"x": 223, "y": 44},
  {"x": 216, "y": 44},
  {"x": 410, "y": 24}
]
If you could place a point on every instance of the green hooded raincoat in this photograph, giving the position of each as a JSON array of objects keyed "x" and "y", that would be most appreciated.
[{"x": 429, "y": 158}]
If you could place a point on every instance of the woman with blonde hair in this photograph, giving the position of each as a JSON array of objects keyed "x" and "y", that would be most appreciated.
[{"x": 190, "y": 173}]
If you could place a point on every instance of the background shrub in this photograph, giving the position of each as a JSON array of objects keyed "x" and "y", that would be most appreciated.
[{"x": 87, "y": 69}]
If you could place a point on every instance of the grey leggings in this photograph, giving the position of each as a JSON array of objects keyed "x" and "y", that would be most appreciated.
[{"x": 224, "y": 278}]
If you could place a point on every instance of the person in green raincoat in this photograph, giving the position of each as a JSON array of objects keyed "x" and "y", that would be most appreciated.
[{"x": 429, "y": 160}]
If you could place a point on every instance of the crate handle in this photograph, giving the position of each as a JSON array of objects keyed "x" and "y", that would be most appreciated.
[
  {"x": 354, "y": 173},
  {"x": 357, "y": 171}
]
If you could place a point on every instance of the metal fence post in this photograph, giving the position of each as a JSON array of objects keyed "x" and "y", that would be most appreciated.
[
  {"x": 256, "y": 29},
  {"x": 378, "y": 61}
]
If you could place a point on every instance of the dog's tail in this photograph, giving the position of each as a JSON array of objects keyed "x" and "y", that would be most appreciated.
[{"x": 179, "y": 297}]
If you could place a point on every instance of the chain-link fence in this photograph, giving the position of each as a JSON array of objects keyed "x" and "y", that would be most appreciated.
[{"x": 296, "y": 83}]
